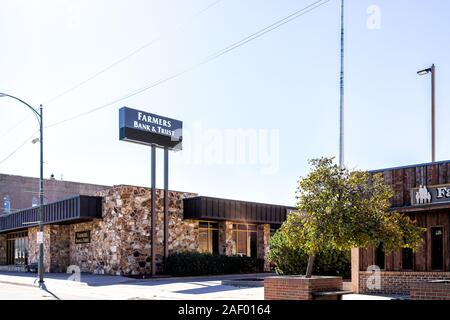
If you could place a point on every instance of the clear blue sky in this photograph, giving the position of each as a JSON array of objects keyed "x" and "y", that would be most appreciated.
[{"x": 286, "y": 80}]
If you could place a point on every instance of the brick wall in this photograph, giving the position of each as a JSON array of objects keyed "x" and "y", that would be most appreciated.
[
  {"x": 430, "y": 291},
  {"x": 298, "y": 288},
  {"x": 393, "y": 282},
  {"x": 21, "y": 190}
]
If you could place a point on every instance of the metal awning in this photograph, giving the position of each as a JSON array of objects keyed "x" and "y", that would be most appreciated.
[
  {"x": 70, "y": 210},
  {"x": 208, "y": 208}
]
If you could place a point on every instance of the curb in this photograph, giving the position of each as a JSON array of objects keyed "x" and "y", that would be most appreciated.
[
  {"x": 33, "y": 285},
  {"x": 18, "y": 283}
]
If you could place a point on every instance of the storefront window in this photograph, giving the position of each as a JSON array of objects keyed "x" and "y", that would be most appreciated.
[
  {"x": 380, "y": 256},
  {"x": 17, "y": 248},
  {"x": 208, "y": 237},
  {"x": 245, "y": 239},
  {"x": 437, "y": 248}
]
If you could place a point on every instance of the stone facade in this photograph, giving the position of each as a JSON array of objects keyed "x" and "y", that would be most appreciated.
[
  {"x": 56, "y": 247},
  {"x": 263, "y": 244},
  {"x": 120, "y": 242},
  {"x": 2, "y": 249}
]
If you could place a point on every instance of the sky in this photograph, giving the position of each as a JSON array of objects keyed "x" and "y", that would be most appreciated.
[{"x": 252, "y": 117}]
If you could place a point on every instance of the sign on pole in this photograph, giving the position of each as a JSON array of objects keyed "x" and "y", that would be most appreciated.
[
  {"x": 40, "y": 237},
  {"x": 150, "y": 129}
]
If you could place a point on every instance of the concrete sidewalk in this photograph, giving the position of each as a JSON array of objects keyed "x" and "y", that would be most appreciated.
[{"x": 87, "y": 279}]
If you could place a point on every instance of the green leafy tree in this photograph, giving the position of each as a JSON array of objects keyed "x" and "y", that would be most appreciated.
[
  {"x": 340, "y": 209},
  {"x": 289, "y": 260}
]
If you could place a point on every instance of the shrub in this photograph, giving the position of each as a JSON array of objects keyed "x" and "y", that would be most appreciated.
[
  {"x": 198, "y": 264},
  {"x": 290, "y": 260}
]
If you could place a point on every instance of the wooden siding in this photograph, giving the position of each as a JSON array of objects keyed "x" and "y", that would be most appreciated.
[{"x": 402, "y": 180}]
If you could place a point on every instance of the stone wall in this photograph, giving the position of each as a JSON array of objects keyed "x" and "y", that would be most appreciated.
[
  {"x": 263, "y": 244},
  {"x": 121, "y": 241},
  {"x": 59, "y": 247},
  {"x": 56, "y": 247},
  {"x": 33, "y": 247},
  {"x": 2, "y": 249}
]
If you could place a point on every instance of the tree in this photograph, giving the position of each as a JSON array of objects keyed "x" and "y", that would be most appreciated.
[
  {"x": 289, "y": 260},
  {"x": 340, "y": 210}
]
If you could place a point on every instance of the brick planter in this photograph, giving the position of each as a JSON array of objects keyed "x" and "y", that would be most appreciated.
[
  {"x": 298, "y": 287},
  {"x": 432, "y": 290}
]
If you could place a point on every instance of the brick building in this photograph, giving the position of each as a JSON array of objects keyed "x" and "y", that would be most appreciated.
[
  {"x": 423, "y": 193},
  {"x": 107, "y": 230}
]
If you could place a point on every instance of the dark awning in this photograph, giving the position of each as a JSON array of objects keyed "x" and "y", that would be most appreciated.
[
  {"x": 207, "y": 208},
  {"x": 79, "y": 208}
]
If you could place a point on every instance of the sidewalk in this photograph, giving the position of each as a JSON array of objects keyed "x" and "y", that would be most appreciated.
[{"x": 87, "y": 279}]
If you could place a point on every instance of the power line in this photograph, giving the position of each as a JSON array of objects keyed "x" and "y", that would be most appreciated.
[
  {"x": 210, "y": 58},
  {"x": 131, "y": 54},
  {"x": 100, "y": 72},
  {"x": 18, "y": 148}
]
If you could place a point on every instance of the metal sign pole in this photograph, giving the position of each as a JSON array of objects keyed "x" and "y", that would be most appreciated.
[
  {"x": 153, "y": 210},
  {"x": 166, "y": 205}
]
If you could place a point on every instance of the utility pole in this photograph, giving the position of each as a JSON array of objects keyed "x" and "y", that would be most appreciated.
[
  {"x": 341, "y": 103},
  {"x": 41, "y": 201}
]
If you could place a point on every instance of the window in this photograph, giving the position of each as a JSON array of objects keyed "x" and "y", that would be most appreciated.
[
  {"x": 208, "y": 237},
  {"x": 437, "y": 248},
  {"x": 380, "y": 256},
  {"x": 6, "y": 204},
  {"x": 407, "y": 259},
  {"x": 17, "y": 248},
  {"x": 245, "y": 238}
]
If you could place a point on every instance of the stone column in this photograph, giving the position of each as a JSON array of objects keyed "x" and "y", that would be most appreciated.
[
  {"x": 59, "y": 250},
  {"x": 2, "y": 249},
  {"x": 33, "y": 247},
  {"x": 230, "y": 245},
  {"x": 263, "y": 244}
]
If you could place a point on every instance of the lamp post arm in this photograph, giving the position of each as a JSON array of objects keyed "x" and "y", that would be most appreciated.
[{"x": 36, "y": 113}]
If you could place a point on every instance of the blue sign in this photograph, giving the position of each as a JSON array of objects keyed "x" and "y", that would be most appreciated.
[{"x": 150, "y": 129}]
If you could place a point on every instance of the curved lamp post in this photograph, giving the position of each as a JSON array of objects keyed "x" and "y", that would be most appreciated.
[
  {"x": 424, "y": 72},
  {"x": 41, "y": 183}
]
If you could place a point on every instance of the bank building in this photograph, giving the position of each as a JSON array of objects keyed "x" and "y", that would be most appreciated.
[{"x": 107, "y": 229}]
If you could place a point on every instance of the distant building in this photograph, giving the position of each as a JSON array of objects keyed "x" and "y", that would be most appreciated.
[{"x": 18, "y": 192}]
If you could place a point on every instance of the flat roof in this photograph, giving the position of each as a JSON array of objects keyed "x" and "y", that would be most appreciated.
[{"x": 411, "y": 166}]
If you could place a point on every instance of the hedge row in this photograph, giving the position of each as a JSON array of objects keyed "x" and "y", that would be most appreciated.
[{"x": 198, "y": 264}]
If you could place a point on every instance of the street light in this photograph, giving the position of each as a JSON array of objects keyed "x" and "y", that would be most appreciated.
[
  {"x": 424, "y": 72},
  {"x": 41, "y": 183}
]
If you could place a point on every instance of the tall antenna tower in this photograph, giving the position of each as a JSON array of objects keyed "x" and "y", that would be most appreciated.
[{"x": 341, "y": 104}]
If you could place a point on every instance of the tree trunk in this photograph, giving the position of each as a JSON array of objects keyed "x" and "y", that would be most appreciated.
[{"x": 309, "y": 269}]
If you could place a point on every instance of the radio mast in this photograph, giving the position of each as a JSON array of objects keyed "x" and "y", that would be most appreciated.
[{"x": 341, "y": 104}]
